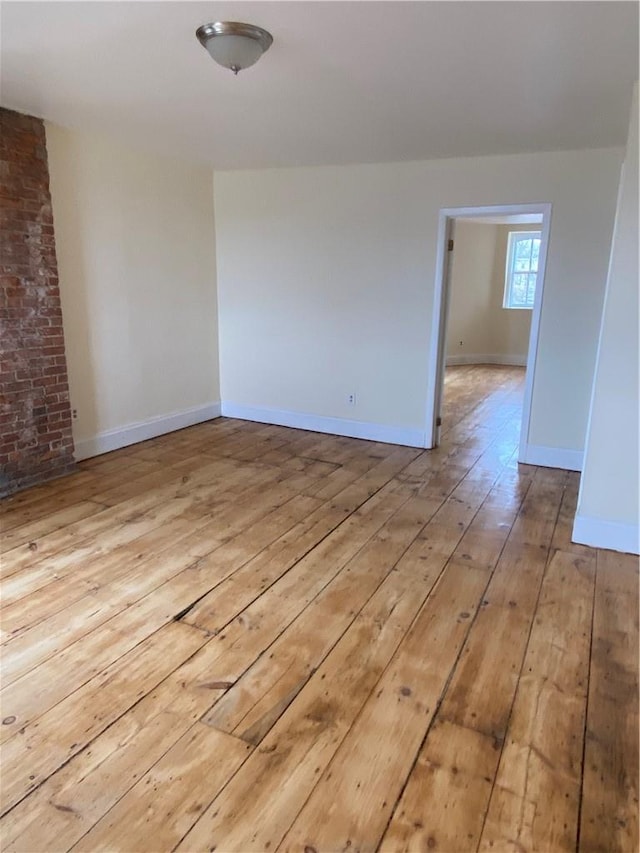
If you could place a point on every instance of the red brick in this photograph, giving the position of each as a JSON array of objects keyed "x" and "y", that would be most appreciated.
[{"x": 35, "y": 417}]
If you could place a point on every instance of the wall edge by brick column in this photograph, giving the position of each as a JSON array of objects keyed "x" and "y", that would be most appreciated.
[{"x": 36, "y": 442}]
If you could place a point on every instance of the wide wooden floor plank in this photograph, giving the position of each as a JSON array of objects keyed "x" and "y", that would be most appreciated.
[
  {"x": 65, "y": 807},
  {"x": 259, "y": 804},
  {"x": 38, "y": 593},
  {"x": 406, "y": 698},
  {"x": 30, "y": 532},
  {"x": 311, "y": 571},
  {"x": 50, "y": 742},
  {"x": 535, "y": 801},
  {"x": 163, "y": 806},
  {"x": 353, "y": 799},
  {"x": 255, "y": 702},
  {"x": 65, "y": 493},
  {"x": 609, "y": 814},
  {"x": 172, "y": 583},
  {"x": 464, "y": 744}
]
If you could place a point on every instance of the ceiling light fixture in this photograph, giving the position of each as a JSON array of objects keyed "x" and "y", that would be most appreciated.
[{"x": 234, "y": 45}]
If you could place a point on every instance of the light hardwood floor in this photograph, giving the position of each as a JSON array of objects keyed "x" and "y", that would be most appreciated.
[{"x": 243, "y": 637}]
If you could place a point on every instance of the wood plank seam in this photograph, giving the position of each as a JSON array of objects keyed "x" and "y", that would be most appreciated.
[
  {"x": 353, "y": 615},
  {"x": 493, "y": 783},
  {"x": 586, "y": 712},
  {"x": 311, "y": 548},
  {"x": 444, "y": 686},
  {"x": 455, "y": 720},
  {"x": 124, "y": 711},
  {"x": 203, "y": 631}
]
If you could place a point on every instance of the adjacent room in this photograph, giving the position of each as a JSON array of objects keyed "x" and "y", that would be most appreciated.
[
  {"x": 491, "y": 283},
  {"x": 319, "y": 463}
]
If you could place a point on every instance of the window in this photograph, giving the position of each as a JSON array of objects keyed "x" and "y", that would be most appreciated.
[{"x": 523, "y": 252}]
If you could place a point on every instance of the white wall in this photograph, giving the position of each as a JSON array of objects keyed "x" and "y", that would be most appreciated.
[
  {"x": 470, "y": 283},
  {"x": 608, "y": 507},
  {"x": 479, "y": 328},
  {"x": 326, "y": 285},
  {"x": 136, "y": 256}
]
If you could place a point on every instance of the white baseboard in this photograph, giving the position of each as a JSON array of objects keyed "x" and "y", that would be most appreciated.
[
  {"x": 473, "y": 358},
  {"x": 552, "y": 457},
  {"x": 333, "y": 426},
  {"x": 103, "y": 442},
  {"x": 113, "y": 439},
  {"x": 600, "y": 533}
]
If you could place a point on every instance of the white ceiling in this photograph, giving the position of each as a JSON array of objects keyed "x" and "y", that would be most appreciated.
[{"x": 344, "y": 82}]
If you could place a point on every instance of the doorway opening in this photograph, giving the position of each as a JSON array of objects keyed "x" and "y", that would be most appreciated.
[{"x": 489, "y": 288}]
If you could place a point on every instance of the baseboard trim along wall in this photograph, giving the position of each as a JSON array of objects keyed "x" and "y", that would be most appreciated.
[
  {"x": 596, "y": 532},
  {"x": 103, "y": 442},
  {"x": 600, "y": 533},
  {"x": 332, "y": 426},
  {"x": 114, "y": 439},
  {"x": 552, "y": 457},
  {"x": 513, "y": 360}
]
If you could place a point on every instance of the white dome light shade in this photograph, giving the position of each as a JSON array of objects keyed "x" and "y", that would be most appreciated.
[{"x": 234, "y": 45}]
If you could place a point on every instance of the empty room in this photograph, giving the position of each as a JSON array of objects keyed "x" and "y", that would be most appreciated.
[{"x": 319, "y": 442}]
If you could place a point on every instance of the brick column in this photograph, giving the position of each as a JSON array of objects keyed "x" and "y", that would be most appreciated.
[{"x": 35, "y": 415}]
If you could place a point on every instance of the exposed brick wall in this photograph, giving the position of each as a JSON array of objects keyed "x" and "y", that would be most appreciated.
[{"x": 35, "y": 416}]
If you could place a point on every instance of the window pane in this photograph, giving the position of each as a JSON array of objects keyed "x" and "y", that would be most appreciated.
[
  {"x": 535, "y": 254},
  {"x": 523, "y": 249},
  {"x": 522, "y": 268},
  {"x": 519, "y": 289},
  {"x": 531, "y": 290}
]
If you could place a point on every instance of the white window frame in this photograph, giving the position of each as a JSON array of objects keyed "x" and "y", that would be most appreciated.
[{"x": 514, "y": 237}]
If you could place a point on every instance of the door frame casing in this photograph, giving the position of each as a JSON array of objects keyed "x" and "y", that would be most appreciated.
[{"x": 435, "y": 381}]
